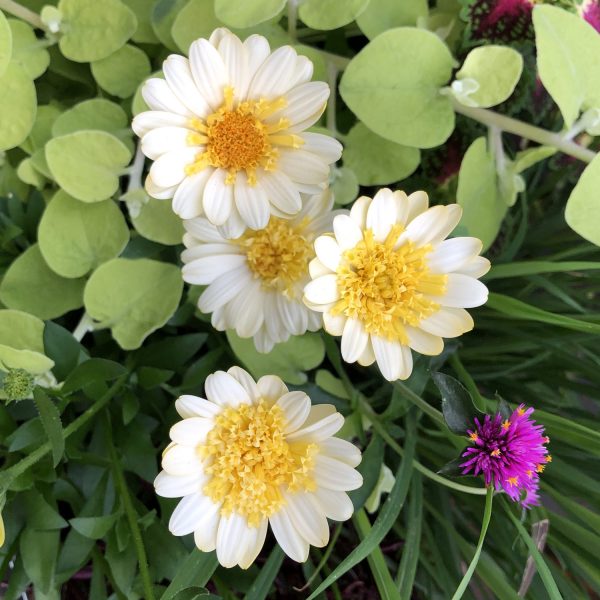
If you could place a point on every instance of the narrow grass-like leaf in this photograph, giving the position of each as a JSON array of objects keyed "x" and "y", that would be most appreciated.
[
  {"x": 51, "y": 423},
  {"x": 195, "y": 571},
  {"x": 262, "y": 584},
  {"x": 410, "y": 551},
  {"x": 535, "y": 267}
]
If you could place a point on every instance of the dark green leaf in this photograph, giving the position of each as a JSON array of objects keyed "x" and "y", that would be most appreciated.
[
  {"x": 262, "y": 584},
  {"x": 196, "y": 570},
  {"x": 457, "y": 404},
  {"x": 62, "y": 348},
  {"x": 50, "y": 418},
  {"x": 92, "y": 370},
  {"x": 369, "y": 468}
]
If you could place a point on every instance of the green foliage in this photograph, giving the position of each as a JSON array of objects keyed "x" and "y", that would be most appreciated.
[
  {"x": 380, "y": 15},
  {"x": 402, "y": 102},
  {"x": 121, "y": 72},
  {"x": 5, "y": 43},
  {"x": 17, "y": 106},
  {"x": 154, "y": 219},
  {"x": 196, "y": 19},
  {"x": 329, "y": 14},
  {"x": 26, "y": 50},
  {"x": 583, "y": 212},
  {"x": 239, "y": 13}
]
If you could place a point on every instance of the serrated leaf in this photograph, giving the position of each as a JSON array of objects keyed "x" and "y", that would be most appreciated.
[
  {"x": 457, "y": 404},
  {"x": 144, "y": 294},
  {"x": 87, "y": 164},
  {"x": 18, "y": 105},
  {"x": 50, "y": 418},
  {"x": 400, "y": 101}
]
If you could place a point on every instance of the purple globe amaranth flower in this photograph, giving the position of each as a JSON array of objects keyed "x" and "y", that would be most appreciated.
[
  {"x": 590, "y": 11},
  {"x": 510, "y": 453}
]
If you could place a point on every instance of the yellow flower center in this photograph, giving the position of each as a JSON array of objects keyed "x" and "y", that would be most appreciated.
[
  {"x": 238, "y": 138},
  {"x": 278, "y": 254},
  {"x": 251, "y": 463},
  {"x": 386, "y": 288}
]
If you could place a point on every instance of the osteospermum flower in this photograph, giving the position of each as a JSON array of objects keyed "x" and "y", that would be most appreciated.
[
  {"x": 253, "y": 454},
  {"x": 255, "y": 282},
  {"x": 510, "y": 453},
  {"x": 226, "y": 131},
  {"x": 388, "y": 281}
]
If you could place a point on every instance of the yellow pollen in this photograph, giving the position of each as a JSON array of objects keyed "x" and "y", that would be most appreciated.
[
  {"x": 540, "y": 468},
  {"x": 251, "y": 463},
  {"x": 386, "y": 288},
  {"x": 506, "y": 424},
  {"x": 513, "y": 480},
  {"x": 529, "y": 472},
  {"x": 473, "y": 436},
  {"x": 239, "y": 138},
  {"x": 520, "y": 411},
  {"x": 278, "y": 254},
  {"x": 548, "y": 458},
  {"x": 495, "y": 452}
]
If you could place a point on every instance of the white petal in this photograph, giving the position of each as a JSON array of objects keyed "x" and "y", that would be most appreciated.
[
  {"x": 173, "y": 486},
  {"x": 292, "y": 314},
  {"x": 359, "y": 210},
  {"x": 202, "y": 229},
  {"x": 336, "y": 475},
  {"x": 181, "y": 460},
  {"x": 303, "y": 167},
  {"x": 273, "y": 77},
  {"x": 246, "y": 381},
  {"x": 209, "y": 72},
  {"x": 341, "y": 450},
  {"x": 307, "y": 519},
  {"x": 158, "y": 192},
  {"x": 221, "y": 388},
  {"x": 231, "y": 538},
  {"x": 477, "y": 267},
  {"x": 190, "y": 513},
  {"x": 223, "y": 289},
  {"x": 423, "y": 342},
  {"x": 217, "y": 199},
  {"x": 382, "y": 214},
  {"x": 234, "y": 227},
  {"x": 271, "y": 387},
  {"x": 192, "y": 431},
  {"x": 368, "y": 356},
  {"x": 319, "y": 430},
  {"x": 328, "y": 251},
  {"x": 322, "y": 290},
  {"x": 451, "y": 255},
  {"x": 296, "y": 407},
  {"x": 187, "y": 201},
  {"x": 317, "y": 269},
  {"x": 304, "y": 102},
  {"x": 354, "y": 340},
  {"x": 153, "y": 119},
  {"x": 193, "y": 406},
  {"x": 390, "y": 358},
  {"x": 334, "y": 324},
  {"x": 347, "y": 232},
  {"x": 335, "y": 505},
  {"x": 463, "y": 291},
  {"x": 179, "y": 77},
  {"x": 258, "y": 50},
  {"x": 169, "y": 169},
  {"x": 246, "y": 310},
  {"x": 251, "y": 202},
  {"x": 254, "y": 541},
  {"x": 448, "y": 322},
  {"x": 205, "y": 270},
  {"x": 291, "y": 542},
  {"x": 205, "y": 537},
  {"x": 282, "y": 193},
  {"x": 327, "y": 147},
  {"x": 235, "y": 58},
  {"x": 158, "y": 96},
  {"x": 303, "y": 71},
  {"x": 418, "y": 202}
]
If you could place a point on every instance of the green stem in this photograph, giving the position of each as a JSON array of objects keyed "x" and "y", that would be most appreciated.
[
  {"x": 19, "y": 468},
  {"x": 525, "y": 130},
  {"x": 487, "y": 515},
  {"x": 130, "y": 513},
  {"x": 381, "y": 430},
  {"x": 434, "y": 413},
  {"x": 16, "y": 9}
]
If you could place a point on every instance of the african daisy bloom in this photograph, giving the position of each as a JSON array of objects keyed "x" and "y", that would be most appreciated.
[
  {"x": 226, "y": 132},
  {"x": 510, "y": 453},
  {"x": 387, "y": 280},
  {"x": 255, "y": 282},
  {"x": 253, "y": 454}
]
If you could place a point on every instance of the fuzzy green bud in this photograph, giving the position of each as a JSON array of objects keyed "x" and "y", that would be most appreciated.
[{"x": 17, "y": 384}]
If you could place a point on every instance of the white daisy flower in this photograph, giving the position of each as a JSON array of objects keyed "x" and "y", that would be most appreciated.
[
  {"x": 253, "y": 454},
  {"x": 226, "y": 131},
  {"x": 387, "y": 280},
  {"x": 256, "y": 282}
]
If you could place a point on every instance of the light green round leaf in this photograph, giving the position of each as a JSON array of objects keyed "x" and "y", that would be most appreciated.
[
  {"x": 496, "y": 69},
  {"x": 477, "y": 193},
  {"x": 142, "y": 9},
  {"x": 154, "y": 219},
  {"x": 26, "y": 49},
  {"x": 121, "y": 72},
  {"x": 344, "y": 186},
  {"x": 381, "y": 15},
  {"x": 195, "y": 20},
  {"x": 330, "y": 14},
  {"x": 400, "y": 100},
  {"x": 42, "y": 128},
  {"x": 567, "y": 56},
  {"x": 38, "y": 161},
  {"x": 5, "y": 43},
  {"x": 30, "y": 285},
  {"x": 583, "y": 207},
  {"x": 22, "y": 342},
  {"x": 133, "y": 298},
  {"x": 87, "y": 164},
  {"x": 96, "y": 113},
  {"x": 375, "y": 160},
  {"x": 18, "y": 104},
  {"x": 288, "y": 360},
  {"x": 27, "y": 173},
  {"x": 94, "y": 29},
  {"x": 164, "y": 14},
  {"x": 76, "y": 237},
  {"x": 531, "y": 156},
  {"x": 241, "y": 13}
]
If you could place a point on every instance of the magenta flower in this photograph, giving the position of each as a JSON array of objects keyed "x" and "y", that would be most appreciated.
[
  {"x": 590, "y": 11},
  {"x": 501, "y": 20},
  {"x": 511, "y": 453}
]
